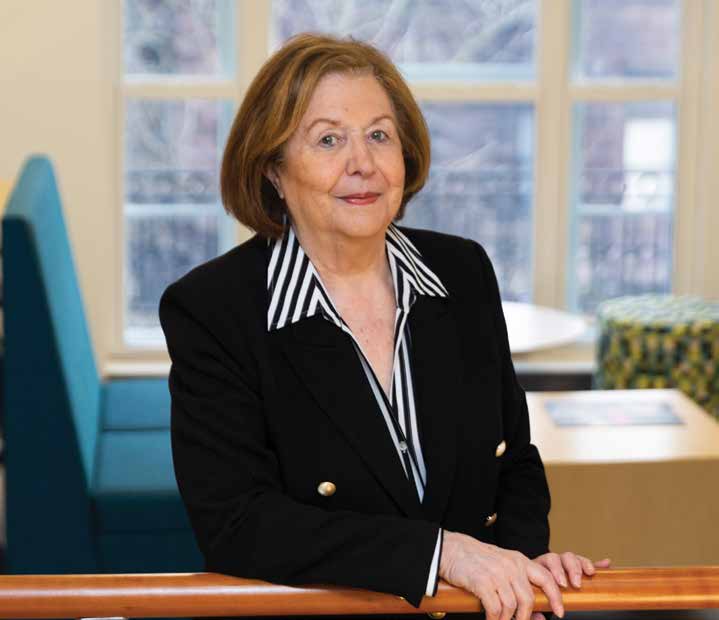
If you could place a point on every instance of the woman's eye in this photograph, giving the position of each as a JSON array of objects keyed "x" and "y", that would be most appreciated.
[
  {"x": 328, "y": 140},
  {"x": 379, "y": 135}
]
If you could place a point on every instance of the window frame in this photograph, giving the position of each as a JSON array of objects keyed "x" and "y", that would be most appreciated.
[{"x": 552, "y": 93}]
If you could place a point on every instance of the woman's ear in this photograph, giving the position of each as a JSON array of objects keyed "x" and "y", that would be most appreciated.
[{"x": 274, "y": 178}]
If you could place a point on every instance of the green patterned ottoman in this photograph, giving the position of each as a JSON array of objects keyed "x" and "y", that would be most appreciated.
[{"x": 660, "y": 341}]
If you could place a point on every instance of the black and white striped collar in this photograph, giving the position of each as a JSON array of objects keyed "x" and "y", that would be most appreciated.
[{"x": 297, "y": 292}]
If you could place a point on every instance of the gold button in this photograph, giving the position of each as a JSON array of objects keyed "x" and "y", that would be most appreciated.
[
  {"x": 490, "y": 520},
  {"x": 326, "y": 488},
  {"x": 437, "y": 614},
  {"x": 500, "y": 448}
]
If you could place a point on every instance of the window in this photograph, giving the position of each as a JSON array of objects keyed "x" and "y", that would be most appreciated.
[
  {"x": 624, "y": 152},
  {"x": 481, "y": 180},
  {"x": 556, "y": 133},
  {"x": 178, "y": 83}
]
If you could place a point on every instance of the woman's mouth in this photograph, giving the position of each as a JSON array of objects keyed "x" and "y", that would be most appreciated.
[{"x": 360, "y": 199}]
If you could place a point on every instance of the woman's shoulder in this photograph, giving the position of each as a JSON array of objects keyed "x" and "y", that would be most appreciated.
[
  {"x": 453, "y": 258},
  {"x": 440, "y": 245},
  {"x": 228, "y": 280}
]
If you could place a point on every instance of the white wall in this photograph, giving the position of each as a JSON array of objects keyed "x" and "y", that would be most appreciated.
[{"x": 57, "y": 81}]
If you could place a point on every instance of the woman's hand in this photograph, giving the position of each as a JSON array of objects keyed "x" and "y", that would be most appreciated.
[
  {"x": 568, "y": 563},
  {"x": 500, "y": 578},
  {"x": 562, "y": 564}
]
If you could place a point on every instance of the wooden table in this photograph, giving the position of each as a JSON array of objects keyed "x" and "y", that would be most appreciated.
[{"x": 644, "y": 495}]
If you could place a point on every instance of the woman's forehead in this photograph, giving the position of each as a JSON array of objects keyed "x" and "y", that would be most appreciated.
[{"x": 340, "y": 96}]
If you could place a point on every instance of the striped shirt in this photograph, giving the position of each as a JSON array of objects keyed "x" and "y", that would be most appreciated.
[{"x": 296, "y": 292}]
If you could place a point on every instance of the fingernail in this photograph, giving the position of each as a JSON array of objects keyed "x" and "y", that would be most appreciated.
[{"x": 563, "y": 582}]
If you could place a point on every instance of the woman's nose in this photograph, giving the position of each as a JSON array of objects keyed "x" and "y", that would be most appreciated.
[{"x": 360, "y": 157}]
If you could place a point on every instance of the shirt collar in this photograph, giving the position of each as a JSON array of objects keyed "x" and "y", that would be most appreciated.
[{"x": 296, "y": 290}]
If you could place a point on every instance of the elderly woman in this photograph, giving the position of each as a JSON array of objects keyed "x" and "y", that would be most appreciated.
[{"x": 344, "y": 407}]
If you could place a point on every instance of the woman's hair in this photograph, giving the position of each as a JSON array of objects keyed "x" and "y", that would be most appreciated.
[{"x": 276, "y": 102}]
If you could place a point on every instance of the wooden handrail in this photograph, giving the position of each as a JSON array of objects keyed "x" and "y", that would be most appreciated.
[{"x": 210, "y": 594}]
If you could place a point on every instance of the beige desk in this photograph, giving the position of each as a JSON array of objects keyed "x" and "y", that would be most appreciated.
[{"x": 642, "y": 495}]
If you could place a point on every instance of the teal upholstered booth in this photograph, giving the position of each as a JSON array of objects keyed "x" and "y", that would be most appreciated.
[{"x": 90, "y": 485}]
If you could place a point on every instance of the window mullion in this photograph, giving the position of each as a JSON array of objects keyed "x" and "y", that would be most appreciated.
[
  {"x": 252, "y": 48},
  {"x": 687, "y": 252},
  {"x": 253, "y": 40},
  {"x": 552, "y": 158},
  {"x": 428, "y": 91},
  {"x": 117, "y": 278},
  {"x": 707, "y": 216},
  {"x": 608, "y": 92},
  {"x": 179, "y": 89}
]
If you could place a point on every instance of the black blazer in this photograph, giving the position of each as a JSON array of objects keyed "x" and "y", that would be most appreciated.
[{"x": 260, "y": 418}]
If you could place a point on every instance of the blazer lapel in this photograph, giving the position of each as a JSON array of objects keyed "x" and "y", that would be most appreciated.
[
  {"x": 325, "y": 359},
  {"x": 436, "y": 357}
]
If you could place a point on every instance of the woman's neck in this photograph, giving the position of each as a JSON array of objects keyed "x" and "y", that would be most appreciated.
[{"x": 348, "y": 266}]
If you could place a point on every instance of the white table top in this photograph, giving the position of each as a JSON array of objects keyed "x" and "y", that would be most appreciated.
[{"x": 533, "y": 327}]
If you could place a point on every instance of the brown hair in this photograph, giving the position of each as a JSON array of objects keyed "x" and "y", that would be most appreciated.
[{"x": 273, "y": 107}]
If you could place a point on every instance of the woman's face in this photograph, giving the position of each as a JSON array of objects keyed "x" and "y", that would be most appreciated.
[{"x": 343, "y": 172}]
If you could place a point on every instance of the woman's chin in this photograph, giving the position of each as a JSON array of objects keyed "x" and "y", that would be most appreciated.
[{"x": 362, "y": 220}]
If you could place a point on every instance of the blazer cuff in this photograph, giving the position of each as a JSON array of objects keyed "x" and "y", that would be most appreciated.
[{"x": 433, "y": 578}]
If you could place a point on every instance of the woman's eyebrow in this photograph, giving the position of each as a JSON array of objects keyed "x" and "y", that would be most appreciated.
[
  {"x": 329, "y": 121},
  {"x": 380, "y": 118},
  {"x": 336, "y": 123}
]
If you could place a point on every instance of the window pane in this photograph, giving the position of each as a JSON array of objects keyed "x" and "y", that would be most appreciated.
[
  {"x": 622, "y": 225},
  {"x": 430, "y": 39},
  {"x": 160, "y": 249},
  {"x": 481, "y": 184},
  {"x": 174, "y": 219},
  {"x": 170, "y": 37},
  {"x": 173, "y": 150},
  {"x": 627, "y": 38}
]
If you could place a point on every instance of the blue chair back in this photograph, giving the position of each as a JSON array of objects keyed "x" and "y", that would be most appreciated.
[{"x": 52, "y": 387}]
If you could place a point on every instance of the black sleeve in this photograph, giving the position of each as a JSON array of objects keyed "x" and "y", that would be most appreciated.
[
  {"x": 228, "y": 476},
  {"x": 523, "y": 501}
]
